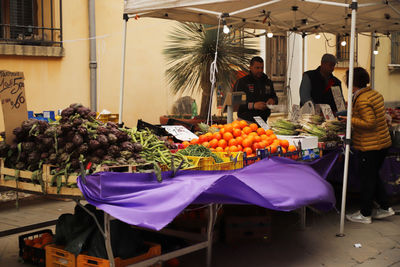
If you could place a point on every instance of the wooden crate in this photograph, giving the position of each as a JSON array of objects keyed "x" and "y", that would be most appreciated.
[
  {"x": 16, "y": 183},
  {"x": 64, "y": 190}
]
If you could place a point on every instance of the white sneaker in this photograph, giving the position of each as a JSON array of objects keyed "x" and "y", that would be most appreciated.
[
  {"x": 358, "y": 217},
  {"x": 381, "y": 213}
]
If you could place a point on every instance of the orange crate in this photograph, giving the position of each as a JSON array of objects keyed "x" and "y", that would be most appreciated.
[
  {"x": 89, "y": 261},
  {"x": 57, "y": 257}
]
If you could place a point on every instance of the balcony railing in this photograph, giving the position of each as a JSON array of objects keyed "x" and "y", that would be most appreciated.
[{"x": 45, "y": 31}]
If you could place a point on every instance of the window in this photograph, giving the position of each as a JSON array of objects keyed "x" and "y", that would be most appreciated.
[
  {"x": 31, "y": 22},
  {"x": 343, "y": 49},
  {"x": 395, "y": 43}
]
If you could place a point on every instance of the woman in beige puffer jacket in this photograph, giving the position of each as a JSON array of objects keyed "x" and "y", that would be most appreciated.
[{"x": 371, "y": 138}]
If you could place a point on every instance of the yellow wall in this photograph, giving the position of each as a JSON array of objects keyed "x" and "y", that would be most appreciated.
[
  {"x": 54, "y": 83},
  {"x": 387, "y": 82}
]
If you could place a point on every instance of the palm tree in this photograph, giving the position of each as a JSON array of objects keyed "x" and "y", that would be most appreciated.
[{"x": 190, "y": 52}]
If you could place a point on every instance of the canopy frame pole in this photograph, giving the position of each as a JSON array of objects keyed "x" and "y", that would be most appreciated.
[
  {"x": 393, "y": 8},
  {"x": 326, "y": 3},
  {"x": 121, "y": 94},
  {"x": 253, "y": 7},
  {"x": 349, "y": 113}
]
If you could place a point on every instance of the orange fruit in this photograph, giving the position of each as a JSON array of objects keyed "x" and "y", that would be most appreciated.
[
  {"x": 264, "y": 136},
  {"x": 222, "y": 143},
  {"x": 237, "y": 132},
  {"x": 202, "y": 139},
  {"x": 217, "y": 136},
  {"x": 222, "y": 131},
  {"x": 209, "y": 136},
  {"x": 253, "y": 127},
  {"x": 240, "y": 148},
  {"x": 247, "y": 142},
  {"x": 292, "y": 148},
  {"x": 185, "y": 144},
  {"x": 269, "y": 132},
  {"x": 242, "y": 123},
  {"x": 213, "y": 143},
  {"x": 232, "y": 142},
  {"x": 257, "y": 138},
  {"x": 214, "y": 126},
  {"x": 236, "y": 125},
  {"x": 243, "y": 135},
  {"x": 206, "y": 144},
  {"x": 233, "y": 149},
  {"x": 228, "y": 136},
  {"x": 283, "y": 150},
  {"x": 255, "y": 146},
  {"x": 219, "y": 149},
  {"x": 239, "y": 140},
  {"x": 29, "y": 242},
  {"x": 263, "y": 144},
  {"x": 226, "y": 149},
  {"x": 273, "y": 136},
  {"x": 260, "y": 131},
  {"x": 274, "y": 148},
  {"x": 284, "y": 143},
  {"x": 247, "y": 130},
  {"x": 228, "y": 128},
  {"x": 247, "y": 150}
]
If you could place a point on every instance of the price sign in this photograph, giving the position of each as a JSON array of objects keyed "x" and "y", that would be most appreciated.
[
  {"x": 261, "y": 122},
  {"x": 337, "y": 96},
  {"x": 180, "y": 132},
  {"x": 295, "y": 113},
  {"x": 326, "y": 111},
  {"x": 13, "y": 101}
]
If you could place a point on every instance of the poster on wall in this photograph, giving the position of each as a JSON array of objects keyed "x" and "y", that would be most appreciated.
[{"x": 13, "y": 101}]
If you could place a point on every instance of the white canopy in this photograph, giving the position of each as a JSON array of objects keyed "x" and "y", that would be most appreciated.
[{"x": 284, "y": 15}]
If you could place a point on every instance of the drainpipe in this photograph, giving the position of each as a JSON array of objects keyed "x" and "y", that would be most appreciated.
[
  {"x": 373, "y": 41},
  {"x": 92, "y": 59}
]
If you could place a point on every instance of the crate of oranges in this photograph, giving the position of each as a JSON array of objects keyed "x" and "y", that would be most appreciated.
[
  {"x": 32, "y": 246},
  {"x": 240, "y": 136}
]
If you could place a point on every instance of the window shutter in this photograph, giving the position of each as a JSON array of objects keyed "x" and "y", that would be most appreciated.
[
  {"x": 21, "y": 14},
  {"x": 395, "y": 54}
]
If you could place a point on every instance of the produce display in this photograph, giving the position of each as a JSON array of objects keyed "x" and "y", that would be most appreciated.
[
  {"x": 240, "y": 136},
  {"x": 311, "y": 125}
]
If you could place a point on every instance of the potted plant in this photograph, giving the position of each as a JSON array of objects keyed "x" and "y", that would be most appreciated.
[{"x": 191, "y": 50}]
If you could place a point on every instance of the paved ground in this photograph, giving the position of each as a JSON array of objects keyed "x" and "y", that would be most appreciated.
[{"x": 317, "y": 245}]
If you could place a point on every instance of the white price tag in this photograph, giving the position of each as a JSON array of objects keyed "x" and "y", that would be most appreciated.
[
  {"x": 261, "y": 122},
  {"x": 180, "y": 132}
]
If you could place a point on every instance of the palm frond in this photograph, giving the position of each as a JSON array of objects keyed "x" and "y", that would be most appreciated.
[{"x": 191, "y": 51}]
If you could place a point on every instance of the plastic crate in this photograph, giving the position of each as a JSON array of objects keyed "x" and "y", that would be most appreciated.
[
  {"x": 30, "y": 254},
  {"x": 204, "y": 163},
  {"x": 89, "y": 261},
  {"x": 56, "y": 256},
  {"x": 228, "y": 157}
]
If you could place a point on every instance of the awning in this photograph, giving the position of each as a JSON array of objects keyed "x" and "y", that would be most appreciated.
[{"x": 283, "y": 15}]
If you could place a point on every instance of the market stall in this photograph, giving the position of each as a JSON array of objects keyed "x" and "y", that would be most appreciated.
[{"x": 306, "y": 17}]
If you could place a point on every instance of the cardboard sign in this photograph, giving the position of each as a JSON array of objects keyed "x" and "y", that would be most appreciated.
[
  {"x": 326, "y": 111},
  {"x": 261, "y": 122},
  {"x": 13, "y": 101},
  {"x": 180, "y": 132},
  {"x": 337, "y": 96}
]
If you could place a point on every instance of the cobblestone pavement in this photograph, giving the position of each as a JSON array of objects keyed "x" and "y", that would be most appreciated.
[{"x": 317, "y": 245}]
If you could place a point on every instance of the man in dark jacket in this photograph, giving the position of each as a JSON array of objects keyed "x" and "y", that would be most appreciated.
[
  {"x": 316, "y": 85},
  {"x": 259, "y": 92}
]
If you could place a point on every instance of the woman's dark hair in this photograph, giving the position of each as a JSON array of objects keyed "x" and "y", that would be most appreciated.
[{"x": 361, "y": 77}]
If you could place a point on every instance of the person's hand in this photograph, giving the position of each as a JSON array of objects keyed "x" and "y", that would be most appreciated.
[
  {"x": 271, "y": 101},
  {"x": 260, "y": 105}
]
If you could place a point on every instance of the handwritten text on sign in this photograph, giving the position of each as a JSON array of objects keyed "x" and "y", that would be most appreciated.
[{"x": 13, "y": 101}]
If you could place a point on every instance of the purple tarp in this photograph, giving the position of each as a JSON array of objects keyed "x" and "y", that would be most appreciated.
[{"x": 138, "y": 199}]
